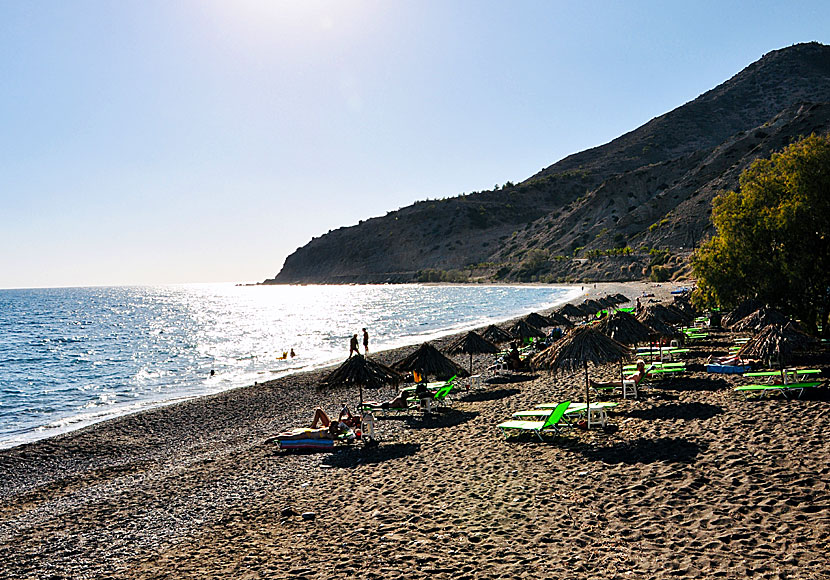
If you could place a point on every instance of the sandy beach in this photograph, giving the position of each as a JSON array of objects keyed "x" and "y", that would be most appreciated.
[{"x": 695, "y": 482}]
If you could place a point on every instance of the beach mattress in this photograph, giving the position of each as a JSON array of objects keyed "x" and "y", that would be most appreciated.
[
  {"x": 727, "y": 369},
  {"x": 307, "y": 444}
]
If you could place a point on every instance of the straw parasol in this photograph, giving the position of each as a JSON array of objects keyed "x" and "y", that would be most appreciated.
[
  {"x": 363, "y": 372},
  {"x": 651, "y": 318},
  {"x": 775, "y": 342},
  {"x": 580, "y": 346},
  {"x": 621, "y": 298},
  {"x": 524, "y": 330},
  {"x": 537, "y": 320},
  {"x": 669, "y": 314},
  {"x": 428, "y": 361},
  {"x": 571, "y": 311},
  {"x": 495, "y": 334},
  {"x": 590, "y": 307},
  {"x": 471, "y": 344},
  {"x": 762, "y": 317},
  {"x": 624, "y": 327},
  {"x": 559, "y": 320},
  {"x": 743, "y": 309}
]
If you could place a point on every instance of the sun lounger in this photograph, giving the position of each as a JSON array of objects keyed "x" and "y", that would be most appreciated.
[
  {"x": 657, "y": 365},
  {"x": 381, "y": 410},
  {"x": 665, "y": 373},
  {"x": 787, "y": 375},
  {"x": 441, "y": 398},
  {"x": 598, "y": 411},
  {"x": 763, "y": 390},
  {"x": 553, "y": 424}
]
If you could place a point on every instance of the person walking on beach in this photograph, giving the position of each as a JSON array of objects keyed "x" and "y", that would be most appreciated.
[
  {"x": 354, "y": 348},
  {"x": 365, "y": 342}
]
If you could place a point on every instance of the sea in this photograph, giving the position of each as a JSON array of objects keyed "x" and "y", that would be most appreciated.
[{"x": 70, "y": 357}]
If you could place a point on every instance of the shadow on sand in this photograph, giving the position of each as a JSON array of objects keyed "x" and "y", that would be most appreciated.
[
  {"x": 694, "y": 384},
  {"x": 348, "y": 457},
  {"x": 494, "y": 395},
  {"x": 509, "y": 379},
  {"x": 440, "y": 418},
  {"x": 677, "y": 411},
  {"x": 666, "y": 450}
]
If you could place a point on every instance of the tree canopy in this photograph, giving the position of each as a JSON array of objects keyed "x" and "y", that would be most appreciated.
[{"x": 773, "y": 236}]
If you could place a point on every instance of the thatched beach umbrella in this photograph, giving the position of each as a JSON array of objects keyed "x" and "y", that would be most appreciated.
[
  {"x": 495, "y": 334},
  {"x": 759, "y": 319},
  {"x": 624, "y": 327},
  {"x": 743, "y": 309},
  {"x": 669, "y": 314},
  {"x": 621, "y": 298},
  {"x": 591, "y": 307},
  {"x": 360, "y": 371},
  {"x": 571, "y": 311},
  {"x": 653, "y": 318},
  {"x": 559, "y": 320},
  {"x": 428, "y": 361},
  {"x": 537, "y": 320},
  {"x": 523, "y": 330},
  {"x": 471, "y": 344},
  {"x": 580, "y": 346},
  {"x": 775, "y": 342}
]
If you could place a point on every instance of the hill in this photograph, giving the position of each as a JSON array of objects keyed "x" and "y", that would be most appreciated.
[{"x": 633, "y": 207}]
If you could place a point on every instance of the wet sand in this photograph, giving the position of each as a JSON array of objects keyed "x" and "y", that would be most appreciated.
[{"x": 695, "y": 482}]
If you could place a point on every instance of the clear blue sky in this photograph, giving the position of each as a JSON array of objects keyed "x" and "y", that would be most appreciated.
[{"x": 203, "y": 141}]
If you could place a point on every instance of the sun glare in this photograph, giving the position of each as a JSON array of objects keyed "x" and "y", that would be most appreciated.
[{"x": 264, "y": 22}]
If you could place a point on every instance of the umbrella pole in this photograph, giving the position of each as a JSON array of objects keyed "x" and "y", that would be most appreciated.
[{"x": 587, "y": 395}]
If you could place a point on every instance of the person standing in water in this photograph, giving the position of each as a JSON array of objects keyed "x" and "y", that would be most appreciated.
[
  {"x": 354, "y": 348},
  {"x": 365, "y": 342}
]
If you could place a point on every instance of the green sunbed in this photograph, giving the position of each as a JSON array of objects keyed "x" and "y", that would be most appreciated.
[
  {"x": 763, "y": 390},
  {"x": 553, "y": 424},
  {"x": 658, "y": 364},
  {"x": 543, "y": 409}
]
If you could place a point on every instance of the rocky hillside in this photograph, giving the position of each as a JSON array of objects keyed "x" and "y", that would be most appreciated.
[{"x": 634, "y": 207}]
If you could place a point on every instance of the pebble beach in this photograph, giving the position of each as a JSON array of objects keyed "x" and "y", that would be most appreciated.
[{"x": 693, "y": 482}]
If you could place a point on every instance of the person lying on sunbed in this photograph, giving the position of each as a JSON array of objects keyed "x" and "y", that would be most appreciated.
[
  {"x": 637, "y": 376},
  {"x": 731, "y": 360},
  {"x": 399, "y": 402},
  {"x": 327, "y": 429},
  {"x": 346, "y": 417}
]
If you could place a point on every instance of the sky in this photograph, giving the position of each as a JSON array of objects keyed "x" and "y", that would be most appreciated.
[{"x": 152, "y": 142}]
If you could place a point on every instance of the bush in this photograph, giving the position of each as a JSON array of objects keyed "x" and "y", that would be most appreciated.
[{"x": 659, "y": 274}]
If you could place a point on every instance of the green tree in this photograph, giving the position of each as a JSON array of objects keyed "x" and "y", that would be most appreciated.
[{"x": 773, "y": 236}]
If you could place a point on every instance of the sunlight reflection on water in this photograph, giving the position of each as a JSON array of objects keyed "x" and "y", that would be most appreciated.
[{"x": 72, "y": 356}]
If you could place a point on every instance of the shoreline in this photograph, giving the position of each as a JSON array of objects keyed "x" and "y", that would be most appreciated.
[
  {"x": 72, "y": 424},
  {"x": 688, "y": 485}
]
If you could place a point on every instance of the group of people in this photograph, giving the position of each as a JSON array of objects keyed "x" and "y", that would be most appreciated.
[{"x": 354, "y": 347}]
